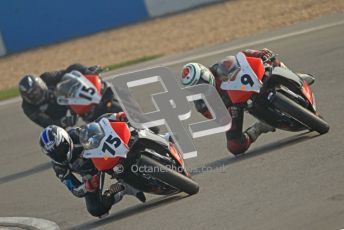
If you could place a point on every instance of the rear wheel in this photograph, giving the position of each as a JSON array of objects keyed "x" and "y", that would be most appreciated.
[
  {"x": 299, "y": 113},
  {"x": 169, "y": 176}
]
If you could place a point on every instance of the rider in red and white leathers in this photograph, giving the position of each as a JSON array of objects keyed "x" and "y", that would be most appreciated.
[{"x": 194, "y": 73}]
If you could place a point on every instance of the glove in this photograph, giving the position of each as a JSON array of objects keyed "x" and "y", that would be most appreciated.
[
  {"x": 267, "y": 55},
  {"x": 121, "y": 116},
  {"x": 68, "y": 121},
  {"x": 92, "y": 184},
  {"x": 95, "y": 69},
  {"x": 61, "y": 171}
]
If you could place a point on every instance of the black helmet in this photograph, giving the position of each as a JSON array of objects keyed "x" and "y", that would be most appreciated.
[
  {"x": 57, "y": 144},
  {"x": 33, "y": 89}
]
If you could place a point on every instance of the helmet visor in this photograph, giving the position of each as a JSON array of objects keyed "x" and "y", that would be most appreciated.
[
  {"x": 35, "y": 96},
  {"x": 59, "y": 154}
]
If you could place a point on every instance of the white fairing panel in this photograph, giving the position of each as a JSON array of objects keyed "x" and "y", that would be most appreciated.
[
  {"x": 111, "y": 145},
  {"x": 245, "y": 80},
  {"x": 84, "y": 94}
]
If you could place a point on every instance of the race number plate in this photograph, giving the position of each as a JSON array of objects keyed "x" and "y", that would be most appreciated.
[
  {"x": 110, "y": 146},
  {"x": 246, "y": 79}
]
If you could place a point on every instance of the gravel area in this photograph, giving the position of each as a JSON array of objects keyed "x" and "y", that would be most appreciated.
[{"x": 176, "y": 33}]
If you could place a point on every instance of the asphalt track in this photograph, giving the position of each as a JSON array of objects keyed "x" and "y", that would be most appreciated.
[{"x": 285, "y": 181}]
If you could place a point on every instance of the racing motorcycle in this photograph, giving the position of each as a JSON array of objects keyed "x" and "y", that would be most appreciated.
[
  {"x": 140, "y": 158},
  {"x": 274, "y": 95},
  {"x": 86, "y": 95}
]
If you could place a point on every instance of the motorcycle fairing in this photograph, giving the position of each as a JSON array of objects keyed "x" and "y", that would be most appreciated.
[
  {"x": 279, "y": 73},
  {"x": 147, "y": 136},
  {"x": 112, "y": 147},
  {"x": 247, "y": 81},
  {"x": 114, "y": 144},
  {"x": 85, "y": 89},
  {"x": 306, "y": 90},
  {"x": 81, "y": 109}
]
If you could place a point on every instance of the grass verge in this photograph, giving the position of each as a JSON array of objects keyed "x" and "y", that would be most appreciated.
[
  {"x": 130, "y": 62},
  {"x": 13, "y": 92},
  {"x": 8, "y": 93}
]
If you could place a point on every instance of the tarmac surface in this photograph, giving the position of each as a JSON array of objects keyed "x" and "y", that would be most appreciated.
[{"x": 285, "y": 181}]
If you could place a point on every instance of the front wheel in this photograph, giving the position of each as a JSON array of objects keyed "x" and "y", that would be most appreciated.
[
  {"x": 169, "y": 176},
  {"x": 299, "y": 113}
]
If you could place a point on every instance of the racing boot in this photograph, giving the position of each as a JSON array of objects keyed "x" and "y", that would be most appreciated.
[
  {"x": 111, "y": 197},
  {"x": 257, "y": 129},
  {"x": 120, "y": 189}
]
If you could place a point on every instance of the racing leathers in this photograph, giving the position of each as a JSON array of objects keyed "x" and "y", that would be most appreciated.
[
  {"x": 237, "y": 140},
  {"x": 97, "y": 204},
  {"x": 49, "y": 112}
]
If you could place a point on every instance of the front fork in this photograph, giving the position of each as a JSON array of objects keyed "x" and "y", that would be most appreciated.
[{"x": 101, "y": 182}]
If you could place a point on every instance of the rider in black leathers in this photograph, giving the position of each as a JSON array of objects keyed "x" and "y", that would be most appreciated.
[
  {"x": 39, "y": 102},
  {"x": 65, "y": 150}
]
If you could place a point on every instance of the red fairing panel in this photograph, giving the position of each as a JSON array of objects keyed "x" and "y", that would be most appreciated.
[
  {"x": 306, "y": 90},
  {"x": 257, "y": 66},
  {"x": 122, "y": 130},
  {"x": 81, "y": 109}
]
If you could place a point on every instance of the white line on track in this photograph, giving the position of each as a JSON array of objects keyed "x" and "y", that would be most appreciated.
[
  {"x": 215, "y": 52},
  {"x": 28, "y": 223},
  {"x": 10, "y": 101}
]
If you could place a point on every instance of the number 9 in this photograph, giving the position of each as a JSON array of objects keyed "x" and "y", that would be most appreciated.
[{"x": 246, "y": 79}]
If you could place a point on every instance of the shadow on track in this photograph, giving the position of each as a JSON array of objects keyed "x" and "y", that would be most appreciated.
[
  {"x": 154, "y": 203},
  {"x": 258, "y": 151},
  {"x": 34, "y": 170},
  {"x": 224, "y": 161}
]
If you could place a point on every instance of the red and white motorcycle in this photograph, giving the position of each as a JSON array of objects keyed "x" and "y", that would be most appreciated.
[
  {"x": 140, "y": 158},
  {"x": 277, "y": 96},
  {"x": 86, "y": 95}
]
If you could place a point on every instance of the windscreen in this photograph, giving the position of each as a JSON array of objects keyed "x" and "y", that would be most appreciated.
[
  {"x": 91, "y": 135},
  {"x": 67, "y": 88}
]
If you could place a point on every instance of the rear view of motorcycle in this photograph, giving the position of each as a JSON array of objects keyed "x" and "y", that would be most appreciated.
[{"x": 275, "y": 95}]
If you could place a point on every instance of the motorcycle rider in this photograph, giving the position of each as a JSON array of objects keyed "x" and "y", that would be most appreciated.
[
  {"x": 39, "y": 102},
  {"x": 65, "y": 151},
  {"x": 194, "y": 73}
]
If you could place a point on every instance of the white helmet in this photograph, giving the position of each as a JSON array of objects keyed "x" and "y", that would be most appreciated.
[{"x": 195, "y": 73}]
